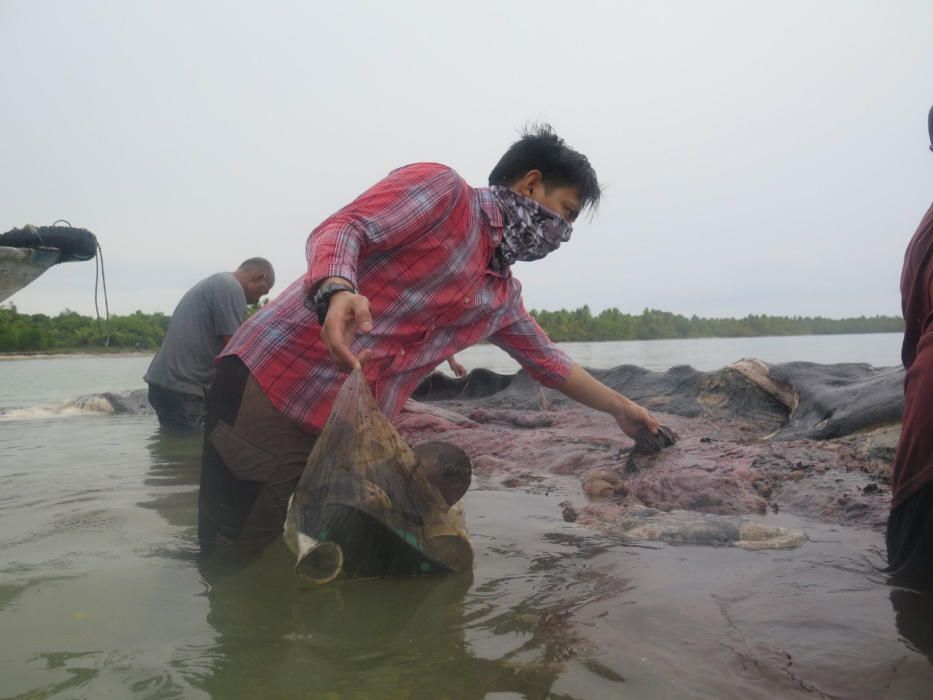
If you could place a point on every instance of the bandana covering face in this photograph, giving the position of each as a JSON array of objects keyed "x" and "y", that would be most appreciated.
[{"x": 531, "y": 230}]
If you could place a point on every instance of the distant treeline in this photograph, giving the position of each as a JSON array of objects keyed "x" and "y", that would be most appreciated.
[
  {"x": 651, "y": 324},
  {"x": 70, "y": 330}
]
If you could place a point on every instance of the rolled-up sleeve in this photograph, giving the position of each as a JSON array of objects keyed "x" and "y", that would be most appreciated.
[
  {"x": 529, "y": 345},
  {"x": 406, "y": 204},
  {"x": 333, "y": 250}
]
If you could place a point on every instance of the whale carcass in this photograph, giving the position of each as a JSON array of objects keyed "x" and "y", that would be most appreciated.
[{"x": 802, "y": 438}]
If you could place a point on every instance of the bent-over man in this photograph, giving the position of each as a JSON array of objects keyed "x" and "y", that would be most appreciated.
[
  {"x": 204, "y": 320},
  {"x": 414, "y": 270}
]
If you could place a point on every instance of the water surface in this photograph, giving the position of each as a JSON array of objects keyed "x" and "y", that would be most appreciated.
[
  {"x": 102, "y": 593},
  {"x": 878, "y": 349}
]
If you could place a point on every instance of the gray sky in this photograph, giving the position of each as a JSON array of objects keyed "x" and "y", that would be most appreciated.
[{"x": 758, "y": 157}]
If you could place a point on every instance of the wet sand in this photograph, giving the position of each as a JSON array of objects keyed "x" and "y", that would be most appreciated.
[{"x": 77, "y": 353}]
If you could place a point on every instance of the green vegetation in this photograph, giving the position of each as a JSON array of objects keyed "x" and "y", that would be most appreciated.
[
  {"x": 70, "y": 331},
  {"x": 652, "y": 324}
]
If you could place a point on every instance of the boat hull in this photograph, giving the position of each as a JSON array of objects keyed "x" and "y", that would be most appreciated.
[{"x": 20, "y": 266}]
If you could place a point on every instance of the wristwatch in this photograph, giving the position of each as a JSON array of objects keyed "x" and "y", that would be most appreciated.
[{"x": 321, "y": 299}]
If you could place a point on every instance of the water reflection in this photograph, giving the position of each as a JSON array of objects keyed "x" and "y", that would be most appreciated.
[
  {"x": 174, "y": 476},
  {"x": 913, "y": 614},
  {"x": 438, "y": 637},
  {"x": 550, "y": 611},
  {"x": 378, "y": 638}
]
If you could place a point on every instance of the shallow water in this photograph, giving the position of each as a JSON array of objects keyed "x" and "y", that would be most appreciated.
[{"x": 102, "y": 593}]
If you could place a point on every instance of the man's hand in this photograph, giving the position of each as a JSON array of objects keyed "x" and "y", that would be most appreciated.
[
  {"x": 455, "y": 367},
  {"x": 347, "y": 314},
  {"x": 635, "y": 420}
]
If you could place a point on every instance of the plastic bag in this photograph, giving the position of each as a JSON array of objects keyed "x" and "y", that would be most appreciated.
[{"x": 365, "y": 504}]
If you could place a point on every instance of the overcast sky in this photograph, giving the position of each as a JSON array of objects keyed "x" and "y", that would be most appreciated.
[{"x": 758, "y": 157}]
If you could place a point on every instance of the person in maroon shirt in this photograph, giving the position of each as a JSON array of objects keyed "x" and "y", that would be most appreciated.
[
  {"x": 910, "y": 525},
  {"x": 412, "y": 271}
]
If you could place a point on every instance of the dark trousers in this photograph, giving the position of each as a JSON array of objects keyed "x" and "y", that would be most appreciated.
[
  {"x": 909, "y": 540},
  {"x": 910, "y": 525},
  {"x": 176, "y": 411},
  {"x": 252, "y": 459}
]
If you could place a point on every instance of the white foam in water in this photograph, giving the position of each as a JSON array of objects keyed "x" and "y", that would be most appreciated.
[{"x": 82, "y": 406}]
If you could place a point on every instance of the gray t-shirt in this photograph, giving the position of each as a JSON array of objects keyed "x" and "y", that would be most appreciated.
[{"x": 213, "y": 308}]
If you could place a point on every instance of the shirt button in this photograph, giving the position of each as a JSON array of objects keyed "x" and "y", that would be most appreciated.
[
  {"x": 402, "y": 353},
  {"x": 466, "y": 300}
]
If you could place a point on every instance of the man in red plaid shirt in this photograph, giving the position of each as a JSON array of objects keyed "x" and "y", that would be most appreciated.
[{"x": 415, "y": 269}]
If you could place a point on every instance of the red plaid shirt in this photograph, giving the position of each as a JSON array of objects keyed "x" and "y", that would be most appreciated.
[{"x": 417, "y": 245}]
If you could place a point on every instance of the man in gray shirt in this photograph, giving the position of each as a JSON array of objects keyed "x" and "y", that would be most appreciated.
[{"x": 202, "y": 323}]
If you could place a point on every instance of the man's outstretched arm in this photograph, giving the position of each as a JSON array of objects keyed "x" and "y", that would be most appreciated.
[
  {"x": 529, "y": 345},
  {"x": 582, "y": 387}
]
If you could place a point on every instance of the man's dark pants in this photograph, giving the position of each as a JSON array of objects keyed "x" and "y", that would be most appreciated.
[
  {"x": 176, "y": 410},
  {"x": 253, "y": 457},
  {"x": 910, "y": 525}
]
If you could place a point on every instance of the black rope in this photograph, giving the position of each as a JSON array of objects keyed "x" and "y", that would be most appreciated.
[
  {"x": 100, "y": 280},
  {"x": 101, "y": 277}
]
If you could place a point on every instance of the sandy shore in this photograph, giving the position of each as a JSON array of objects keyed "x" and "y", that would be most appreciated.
[{"x": 47, "y": 355}]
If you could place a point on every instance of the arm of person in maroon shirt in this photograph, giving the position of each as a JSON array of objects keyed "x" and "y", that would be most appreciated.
[
  {"x": 404, "y": 205},
  {"x": 455, "y": 367}
]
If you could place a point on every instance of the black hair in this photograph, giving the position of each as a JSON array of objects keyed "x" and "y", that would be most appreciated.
[
  {"x": 258, "y": 265},
  {"x": 540, "y": 148}
]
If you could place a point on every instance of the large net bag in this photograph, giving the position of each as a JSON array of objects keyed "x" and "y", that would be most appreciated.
[{"x": 366, "y": 505}]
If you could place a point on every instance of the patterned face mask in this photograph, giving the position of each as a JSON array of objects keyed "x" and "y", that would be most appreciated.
[{"x": 531, "y": 230}]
